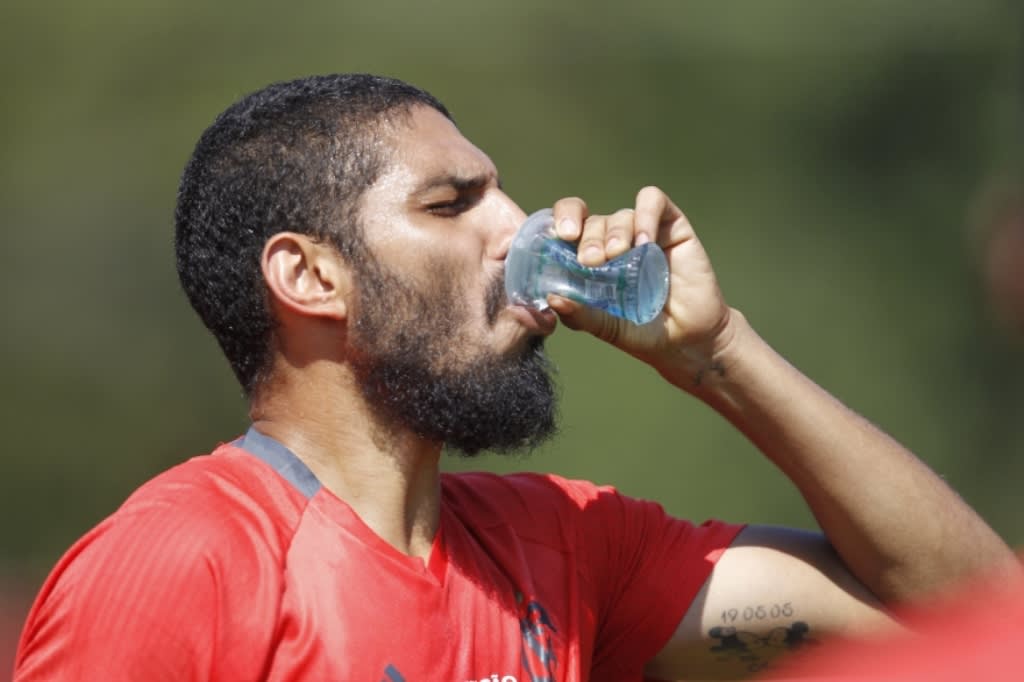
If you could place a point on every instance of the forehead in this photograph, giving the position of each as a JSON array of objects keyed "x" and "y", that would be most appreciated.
[{"x": 425, "y": 145}]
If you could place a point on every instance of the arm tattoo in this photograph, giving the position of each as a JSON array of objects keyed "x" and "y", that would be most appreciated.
[
  {"x": 715, "y": 367},
  {"x": 754, "y": 650}
]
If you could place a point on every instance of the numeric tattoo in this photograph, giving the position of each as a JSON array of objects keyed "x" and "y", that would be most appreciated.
[{"x": 758, "y": 612}]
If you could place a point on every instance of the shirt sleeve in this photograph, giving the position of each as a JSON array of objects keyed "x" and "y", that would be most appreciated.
[
  {"x": 149, "y": 595},
  {"x": 645, "y": 568}
]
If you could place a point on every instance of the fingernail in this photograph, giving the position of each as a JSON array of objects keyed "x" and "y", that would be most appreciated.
[
  {"x": 593, "y": 253},
  {"x": 614, "y": 243},
  {"x": 566, "y": 228},
  {"x": 641, "y": 239}
]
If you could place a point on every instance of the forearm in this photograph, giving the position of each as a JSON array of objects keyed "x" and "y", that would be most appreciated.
[{"x": 898, "y": 527}]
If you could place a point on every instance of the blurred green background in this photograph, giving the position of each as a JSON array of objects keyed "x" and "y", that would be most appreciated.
[{"x": 828, "y": 152}]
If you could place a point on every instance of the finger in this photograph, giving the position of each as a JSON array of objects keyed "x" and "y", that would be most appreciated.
[
  {"x": 650, "y": 204},
  {"x": 591, "y": 246},
  {"x": 657, "y": 217},
  {"x": 569, "y": 214},
  {"x": 580, "y": 317},
  {"x": 618, "y": 235}
]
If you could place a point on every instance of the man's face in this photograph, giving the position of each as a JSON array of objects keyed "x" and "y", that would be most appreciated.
[{"x": 435, "y": 346}]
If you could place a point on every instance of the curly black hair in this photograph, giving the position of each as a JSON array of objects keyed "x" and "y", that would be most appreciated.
[{"x": 294, "y": 156}]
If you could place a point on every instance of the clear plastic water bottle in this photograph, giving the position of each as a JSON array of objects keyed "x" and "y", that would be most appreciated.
[{"x": 633, "y": 286}]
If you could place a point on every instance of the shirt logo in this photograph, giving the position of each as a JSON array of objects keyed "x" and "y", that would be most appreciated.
[
  {"x": 538, "y": 654},
  {"x": 391, "y": 674}
]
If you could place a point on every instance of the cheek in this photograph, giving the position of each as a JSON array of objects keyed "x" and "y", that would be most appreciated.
[
  {"x": 495, "y": 299},
  {"x": 456, "y": 281}
]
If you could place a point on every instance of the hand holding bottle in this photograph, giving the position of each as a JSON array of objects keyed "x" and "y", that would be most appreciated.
[{"x": 695, "y": 324}]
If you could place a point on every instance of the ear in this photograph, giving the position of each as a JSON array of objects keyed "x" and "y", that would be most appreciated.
[{"x": 306, "y": 277}]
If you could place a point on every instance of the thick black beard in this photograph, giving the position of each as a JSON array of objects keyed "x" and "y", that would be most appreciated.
[{"x": 409, "y": 370}]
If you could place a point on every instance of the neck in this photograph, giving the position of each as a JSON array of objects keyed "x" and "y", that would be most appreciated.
[{"x": 389, "y": 477}]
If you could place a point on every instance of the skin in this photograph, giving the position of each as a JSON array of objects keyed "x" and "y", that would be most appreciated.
[{"x": 895, "y": 531}]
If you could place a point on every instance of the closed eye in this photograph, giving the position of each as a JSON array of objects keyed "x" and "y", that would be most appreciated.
[
  {"x": 453, "y": 207},
  {"x": 457, "y": 194}
]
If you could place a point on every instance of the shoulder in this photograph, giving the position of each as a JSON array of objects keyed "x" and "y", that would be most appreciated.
[
  {"x": 540, "y": 495},
  {"x": 521, "y": 494},
  {"x": 225, "y": 511},
  {"x": 227, "y": 495},
  {"x": 206, "y": 538},
  {"x": 219, "y": 492},
  {"x": 537, "y": 505},
  {"x": 208, "y": 507}
]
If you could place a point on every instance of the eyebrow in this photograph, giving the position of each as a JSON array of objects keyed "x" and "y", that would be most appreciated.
[{"x": 460, "y": 183}]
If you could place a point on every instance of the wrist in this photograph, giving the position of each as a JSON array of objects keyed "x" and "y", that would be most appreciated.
[{"x": 706, "y": 368}]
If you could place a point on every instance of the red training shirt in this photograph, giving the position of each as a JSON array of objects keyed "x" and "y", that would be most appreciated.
[{"x": 239, "y": 565}]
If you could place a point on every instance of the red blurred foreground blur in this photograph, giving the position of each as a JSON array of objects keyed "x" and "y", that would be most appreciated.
[{"x": 977, "y": 635}]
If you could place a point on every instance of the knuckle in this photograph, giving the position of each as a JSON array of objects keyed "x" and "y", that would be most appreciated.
[
  {"x": 607, "y": 329},
  {"x": 594, "y": 228},
  {"x": 621, "y": 226},
  {"x": 621, "y": 220},
  {"x": 570, "y": 203}
]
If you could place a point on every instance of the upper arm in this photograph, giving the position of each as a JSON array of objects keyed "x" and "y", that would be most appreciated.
[{"x": 772, "y": 591}]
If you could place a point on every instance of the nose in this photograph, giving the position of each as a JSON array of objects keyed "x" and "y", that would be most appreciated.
[{"x": 508, "y": 217}]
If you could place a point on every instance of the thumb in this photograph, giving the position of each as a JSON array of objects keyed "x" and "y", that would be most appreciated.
[{"x": 580, "y": 317}]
